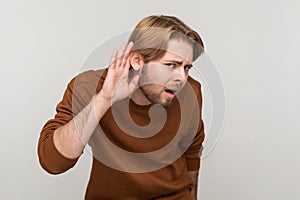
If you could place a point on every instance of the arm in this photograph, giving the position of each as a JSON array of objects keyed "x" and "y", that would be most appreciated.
[
  {"x": 193, "y": 153},
  {"x": 63, "y": 139},
  {"x": 70, "y": 139},
  {"x": 194, "y": 177}
]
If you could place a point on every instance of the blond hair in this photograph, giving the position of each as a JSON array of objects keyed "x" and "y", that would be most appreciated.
[{"x": 151, "y": 36}]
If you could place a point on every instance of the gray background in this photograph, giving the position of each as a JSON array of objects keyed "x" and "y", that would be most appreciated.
[{"x": 254, "y": 45}]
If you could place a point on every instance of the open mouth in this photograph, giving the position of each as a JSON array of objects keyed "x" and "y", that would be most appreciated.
[{"x": 170, "y": 91}]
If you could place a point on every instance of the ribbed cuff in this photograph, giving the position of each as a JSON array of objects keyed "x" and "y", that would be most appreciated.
[{"x": 56, "y": 162}]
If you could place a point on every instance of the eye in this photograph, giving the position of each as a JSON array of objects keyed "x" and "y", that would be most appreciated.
[
  {"x": 170, "y": 65},
  {"x": 187, "y": 67}
]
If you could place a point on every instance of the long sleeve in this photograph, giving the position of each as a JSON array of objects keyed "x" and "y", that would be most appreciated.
[
  {"x": 50, "y": 159},
  {"x": 193, "y": 153},
  {"x": 78, "y": 94}
]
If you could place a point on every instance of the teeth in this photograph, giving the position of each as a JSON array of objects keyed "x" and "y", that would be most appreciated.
[{"x": 170, "y": 91}]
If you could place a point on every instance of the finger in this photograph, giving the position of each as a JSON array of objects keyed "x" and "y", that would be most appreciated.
[
  {"x": 129, "y": 46},
  {"x": 133, "y": 83},
  {"x": 112, "y": 62},
  {"x": 120, "y": 56},
  {"x": 126, "y": 67},
  {"x": 126, "y": 54}
]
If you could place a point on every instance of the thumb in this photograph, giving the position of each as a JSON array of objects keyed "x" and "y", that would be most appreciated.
[{"x": 133, "y": 83}]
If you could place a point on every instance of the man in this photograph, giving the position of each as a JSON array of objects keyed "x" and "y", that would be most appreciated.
[{"x": 141, "y": 116}]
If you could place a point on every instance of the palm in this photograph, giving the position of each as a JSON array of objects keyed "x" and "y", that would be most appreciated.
[{"x": 116, "y": 86}]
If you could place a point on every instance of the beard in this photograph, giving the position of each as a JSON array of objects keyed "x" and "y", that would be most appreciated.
[
  {"x": 154, "y": 93},
  {"x": 154, "y": 87}
]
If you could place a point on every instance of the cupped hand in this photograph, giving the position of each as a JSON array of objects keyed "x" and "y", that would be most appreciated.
[{"x": 116, "y": 85}]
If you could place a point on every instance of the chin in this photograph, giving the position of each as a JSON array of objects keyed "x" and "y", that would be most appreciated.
[{"x": 166, "y": 103}]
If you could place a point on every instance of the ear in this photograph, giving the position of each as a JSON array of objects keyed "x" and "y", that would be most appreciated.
[{"x": 136, "y": 60}]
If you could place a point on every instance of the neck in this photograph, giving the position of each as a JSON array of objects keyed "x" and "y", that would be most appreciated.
[{"x": 139, "y": 97}]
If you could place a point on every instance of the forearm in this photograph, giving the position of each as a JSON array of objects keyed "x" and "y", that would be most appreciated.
[
  {"x": 71, "y": 138},
  {"x": 194, "y": 178}
]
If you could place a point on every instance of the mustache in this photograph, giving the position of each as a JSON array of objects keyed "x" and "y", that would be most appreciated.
[{"x": 172, "y": 86}]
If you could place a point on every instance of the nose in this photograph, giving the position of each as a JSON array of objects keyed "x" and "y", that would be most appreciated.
[{"x": 180, "y": 74}]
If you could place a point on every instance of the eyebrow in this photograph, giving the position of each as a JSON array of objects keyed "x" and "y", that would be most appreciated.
[{"x": 179, "y": 62}]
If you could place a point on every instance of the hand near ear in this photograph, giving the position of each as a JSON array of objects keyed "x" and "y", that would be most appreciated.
[{"x": 116, "y": 86}]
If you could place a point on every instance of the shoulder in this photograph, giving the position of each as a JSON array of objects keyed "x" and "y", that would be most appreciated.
[
  {"x": 85, "y": 85},
  {"x": 90, "y": 76},
  {"x": 195, "y": 84}
]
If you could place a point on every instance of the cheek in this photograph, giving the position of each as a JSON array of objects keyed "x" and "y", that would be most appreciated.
[
  {"x": 153, "y": 90},
  {"x": 156, "y": 74}
]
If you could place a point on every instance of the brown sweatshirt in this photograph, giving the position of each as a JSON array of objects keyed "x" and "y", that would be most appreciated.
[{"x": 118, "y": 177}]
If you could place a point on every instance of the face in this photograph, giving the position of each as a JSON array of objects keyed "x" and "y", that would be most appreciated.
[{"x": 162, "y": 79}]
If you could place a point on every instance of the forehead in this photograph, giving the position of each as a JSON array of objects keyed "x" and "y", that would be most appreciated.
[{"x": 179, "y": 49}]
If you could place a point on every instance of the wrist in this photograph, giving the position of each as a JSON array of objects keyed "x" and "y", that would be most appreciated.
[
  {"x": 101, "y": 104},
  {"x": 100, "y": 98}
]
